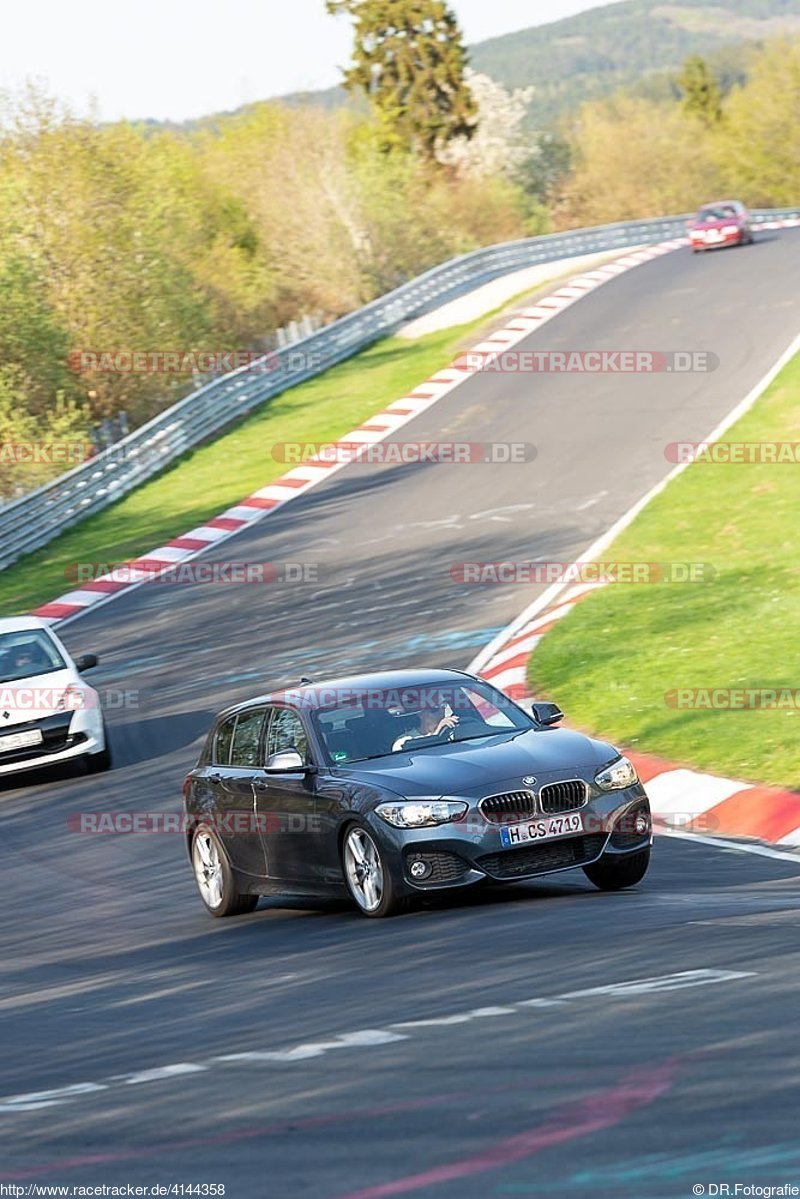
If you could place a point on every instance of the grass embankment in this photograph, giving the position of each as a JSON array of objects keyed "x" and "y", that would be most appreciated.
[{"x": 613, "y": 661}]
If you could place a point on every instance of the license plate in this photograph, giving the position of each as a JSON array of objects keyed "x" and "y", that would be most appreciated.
[
  {"x": 20, "y": 740},
  {"x": 714, "y": 235},
  {"x": 541, "y": 830}
]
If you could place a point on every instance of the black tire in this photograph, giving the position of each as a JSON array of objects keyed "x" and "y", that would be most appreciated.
[
  {"x": 231, "y": 900},
  {"x": 98, "y": 763},
  {"x": 390, "y": 904},
  {"x": 612, "y": 873}
]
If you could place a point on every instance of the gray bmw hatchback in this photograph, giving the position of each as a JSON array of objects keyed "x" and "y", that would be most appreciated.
[{"x": 385, "y": 786}]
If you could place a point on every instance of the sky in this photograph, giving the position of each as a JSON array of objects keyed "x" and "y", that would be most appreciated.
[{"x": 179, "y": 59}]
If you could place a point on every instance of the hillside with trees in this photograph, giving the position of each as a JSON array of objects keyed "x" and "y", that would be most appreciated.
[
  {"x": 124, "y": 237},
  {"x": 637, "y": 44}
]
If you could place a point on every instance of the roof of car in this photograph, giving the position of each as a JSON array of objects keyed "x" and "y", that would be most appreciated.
[
  {"x": 317, "y": 694},
  {"x": 17, "y": 624}
]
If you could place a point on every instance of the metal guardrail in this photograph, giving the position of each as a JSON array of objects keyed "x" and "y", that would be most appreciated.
[{"x": 35, "y": 519}]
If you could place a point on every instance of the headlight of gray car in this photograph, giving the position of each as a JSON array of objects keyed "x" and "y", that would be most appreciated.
[
  {"x": 617, "y": 776},
  {"x": 421, "y": 813}
]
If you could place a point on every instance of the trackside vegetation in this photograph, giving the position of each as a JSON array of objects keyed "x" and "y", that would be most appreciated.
[
  {"x": 132, "y": 238},
  {"x": 213, "y": 477},
  {"x": 624, "y": 660}
]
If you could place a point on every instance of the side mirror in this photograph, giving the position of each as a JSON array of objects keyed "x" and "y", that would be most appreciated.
[
  {"x": 86, "y": 662},
  {"x": 546, "y": 714},
  {"x": 286, "y": 759}
]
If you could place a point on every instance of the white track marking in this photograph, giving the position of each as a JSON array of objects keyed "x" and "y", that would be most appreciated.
[
  {"x": 36, "y": 1099},
  {"x": 542, "y": 1003},
  {"x": 590, "y": 503},
  {"x": 161, "y": 1072},
  {"x": 670, "y": 982},
  {"x": 761, "y": 851},
  {"x": 300, "y": 1053},
  {"x": 372, "y": 1037},
  {"x": 480, "y": 1013}
]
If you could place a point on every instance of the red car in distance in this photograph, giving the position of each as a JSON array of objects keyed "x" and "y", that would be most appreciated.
[{"x": 723, "y": 223}]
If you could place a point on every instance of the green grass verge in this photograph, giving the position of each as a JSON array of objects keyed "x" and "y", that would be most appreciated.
[
  {"x": 613, "y": 659},
  {"x": 205, "y": 481}
]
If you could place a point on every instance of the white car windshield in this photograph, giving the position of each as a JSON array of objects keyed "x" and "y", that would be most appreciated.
[
  {"x": 722, "y": 213},
  {"x": 26, "y": 653}
]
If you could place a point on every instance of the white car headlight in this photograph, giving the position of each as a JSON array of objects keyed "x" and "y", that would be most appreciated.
[
  {"x": 728, "y": 229},
  {"x": 73, "y": 700},
  {"x": 617, "y": 776},
  {"x": 421, "y": 813}
]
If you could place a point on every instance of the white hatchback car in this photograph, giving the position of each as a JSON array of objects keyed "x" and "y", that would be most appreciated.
[{"x": 48, "y": 714}]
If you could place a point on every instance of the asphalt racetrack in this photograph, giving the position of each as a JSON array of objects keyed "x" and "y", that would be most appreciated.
[{"x": 480, "y": 1046}]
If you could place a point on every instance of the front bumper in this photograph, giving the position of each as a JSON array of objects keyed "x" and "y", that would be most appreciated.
[
  {"x": 65, "y": 736},
  {"x": 463, "y": 853},
  {"x": 704, "y": 242}
]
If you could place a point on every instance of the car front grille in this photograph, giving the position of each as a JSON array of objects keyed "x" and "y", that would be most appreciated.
[
  {"x": 445, "y": 867},
  {"x": 563, "y": 797},
  {"x": 624, "y": 835},
  {"x": 508, "y": 807},
  {"x": 539, "y": 859},
  {"x": 55, "y": 737}
]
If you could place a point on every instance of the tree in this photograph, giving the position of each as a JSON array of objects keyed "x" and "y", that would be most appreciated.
[
  {"x": 633, "y": 158},
  {"x": 758, "y": 148},
  {"x": 500, "y": 144},
  {"x": 702, "y": 97},
  {"x": 409, "y": 60},
  {"x": 542, "y": 173}
]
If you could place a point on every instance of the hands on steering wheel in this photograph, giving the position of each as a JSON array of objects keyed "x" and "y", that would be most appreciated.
[{"x": 447, "y": 725}]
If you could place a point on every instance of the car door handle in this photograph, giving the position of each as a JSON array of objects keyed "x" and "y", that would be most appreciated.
[
  {"x": 215, "y": 778},
  {"x": 261, "y": 784}
]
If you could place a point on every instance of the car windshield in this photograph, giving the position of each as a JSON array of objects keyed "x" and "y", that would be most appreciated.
[
  {"x": 26, "y": 653},
  {"x": 373, "y": 723},
  {"x": 719, "y": 213}
]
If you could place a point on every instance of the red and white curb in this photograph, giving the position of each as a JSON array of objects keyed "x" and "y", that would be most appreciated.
[
  {"x": 301, "y": 479},
  {"x": 681, "y": 798}
]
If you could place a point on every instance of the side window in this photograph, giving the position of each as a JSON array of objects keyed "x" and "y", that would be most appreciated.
[
  {"x": 244, "y": 751},
  {"x": 286, "y": 732},
  {"x": 222, "y": 742}
]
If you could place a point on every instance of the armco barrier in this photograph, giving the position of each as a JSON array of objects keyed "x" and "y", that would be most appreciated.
[{"x": 35, "y": 519}]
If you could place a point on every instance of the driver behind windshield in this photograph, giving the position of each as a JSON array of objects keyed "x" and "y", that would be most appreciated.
[
  {"x": 430, "y": 722},
  {"x": 25, "y": 659}
]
